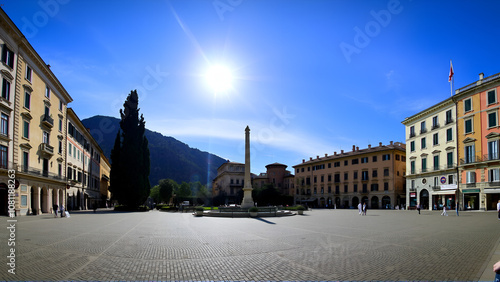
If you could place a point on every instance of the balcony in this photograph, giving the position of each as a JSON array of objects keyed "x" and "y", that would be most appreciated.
[
  {"x": 48, "y": 121},
  {"x": 46, "y": 149},
  {"x": 470, "y": 160},
  {"x": 423, "y": 130},
  {"x": 436, "y": 188},
  {"x": 491, "y": 157},
  {"x": 434, "y": 126},
  {"x": 412, "y": 134},
  {"x": 449, "y": 120},
  {"x": 38, "y": 172}
]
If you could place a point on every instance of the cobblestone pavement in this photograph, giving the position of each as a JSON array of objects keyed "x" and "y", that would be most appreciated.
[{"x": 321, "y": 245}]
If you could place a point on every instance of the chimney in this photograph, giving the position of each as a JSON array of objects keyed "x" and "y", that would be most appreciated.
[
  {"x": 354, "y": 148},
  {"x": 481, "y": 76},
  {"x": 369, "y": 146},
  {"x": 391, "y": 142},
  {"x": 342, "y": 151},
  {"x": 334, "y": 153},
  {"x": 317, "y": 157},
  {"x": 357, "y": 149},
  {"x": 303, "y": 160},
  {"x": 380, "y": 144},
  {"x": 326, "y": 155}
]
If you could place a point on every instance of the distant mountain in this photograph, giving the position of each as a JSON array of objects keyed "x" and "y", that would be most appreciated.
[{"x": 170, "y": 158}]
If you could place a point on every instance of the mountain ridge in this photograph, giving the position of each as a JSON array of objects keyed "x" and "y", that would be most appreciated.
[{"x": 170, "y": 158}]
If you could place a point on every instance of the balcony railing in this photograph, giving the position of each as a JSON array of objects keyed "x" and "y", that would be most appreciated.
[
  {"x": 434, "y": 126},
  {"x": 412, "y": 134},
  {"x": 32, "y": 171},
  {"x": 423, "y": 130},
  {"x": 491, "y": 157},
  {"x": 436, "y": 188},
  {"x": 472, "y": 160},
  {"x": 46, "y": 148},
  {"x": 449, "y": 120},
  {"x": 48, "y": 121}
]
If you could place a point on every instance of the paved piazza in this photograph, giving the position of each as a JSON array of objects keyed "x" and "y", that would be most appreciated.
[{"x": 322, "y": 245}]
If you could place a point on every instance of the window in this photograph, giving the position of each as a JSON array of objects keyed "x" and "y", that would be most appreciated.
[
  {"x": 398, "y": 157},
  {"x": 355, "y": 175},
  {"x": 329, "y": 178},
  {"x": 412, "y": 131},
  {"x": 322, "y": 178},
  {"x": 374, "y": 173},
  {"x": 355, "y": 188},
  {"x": 69, "y": 148},
  {"x": 412, "y": 146},
  {"x": 346, "y": 176},
  {"x": 346, "y": 188},
  {"x": 315, "y": 179},
  {"x": 336, "y": 178},
  {"x": 25, "y": 160},
  {"x": 386, "y": 157},
  {"x": 436, "y": 162},
  {"x": 59, "y": 170},
  {"x": 337, "y": 189},
  {"x": 449, "y": 159},
  {"x": 60, "y": 148},
  {"x": 329, "y": 165},
  {"x": 29, "y": 73},
  {"x": 386, "y": 186},
  {"x": 7, "y": 56},
  {"x": 435, "y": 122},
  {"x": 449, "y": 134},
  {"x": 4, "y": 126},
  {"x": 468, "y": 125},
  {"x": 374, "y": 187},
  {"x": 336, "y": 164},
  {"x": 346, "y": 163},
  {"x": 422, "y": 127},
  {"x": 493, "y": 150},
  {"x": 27, "y": 100},
  {"x": 364, "y": 175},
  {"x": 424, "y": 165},
  {"x": 355, "y": 161},
  {"x": 47, "y": 92},
  {"x": 26, "y": 129},
  {"x": 60, "y": 125},
  {"x": 492, "y": 97},
  {"x": 374, "y": 158},
  {"x": 46, "y": 137},
  {"x": 492, "y": 119},
  {"x": 468, "y": 105},
  {"x": 494, "y": 175},
  {"x": 386, "y": 172},
  {"x": 422, "y": 143},
  {"x": 435, "y": 139},
  {"x": 329, "y": 189},
  {"x": 469, "y": 154},
  {"x": 364, "y": 160},
  {"x": 3, "y": 156},
  {"x": 451, "y": 179},
  {"x": 24, "y": 200},
  {"x": 365, "y": 188},
  {"x": 470, "y": 177},
  {"x": 60, "y": 106},
  {"x": 5, "y": 89},
  {"x": 412, "y": 184},
  {"x": 449, "y": 117}
]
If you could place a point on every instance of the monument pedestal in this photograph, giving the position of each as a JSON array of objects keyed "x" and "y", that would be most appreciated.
[{"x": 247, "y": 198}]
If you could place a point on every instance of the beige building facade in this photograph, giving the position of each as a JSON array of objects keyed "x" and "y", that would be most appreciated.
[
  {"x": 432, "y": 154},
  {"x": 375, "y": 176},
  {"x": 33, "y": 109}
]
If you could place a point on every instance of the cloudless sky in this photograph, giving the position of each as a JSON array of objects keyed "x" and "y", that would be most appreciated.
[{"x": 310, "y": 77}]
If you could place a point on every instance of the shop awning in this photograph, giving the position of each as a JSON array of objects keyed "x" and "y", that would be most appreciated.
[
  {"x": 492, "y": 191},
  {"x": 444, "y": 192}
]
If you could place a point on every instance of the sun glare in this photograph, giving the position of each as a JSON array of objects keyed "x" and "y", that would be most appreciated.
[{"x": 219, "y": 78}]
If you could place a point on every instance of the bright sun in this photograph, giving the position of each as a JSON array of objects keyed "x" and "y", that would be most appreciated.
[{"x": 219, "y": 78}]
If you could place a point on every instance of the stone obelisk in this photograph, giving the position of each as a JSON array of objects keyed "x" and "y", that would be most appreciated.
[{"x": 247, "y": 188}]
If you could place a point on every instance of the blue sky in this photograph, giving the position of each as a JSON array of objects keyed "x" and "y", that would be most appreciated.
[{"x": 310, "y": 77}]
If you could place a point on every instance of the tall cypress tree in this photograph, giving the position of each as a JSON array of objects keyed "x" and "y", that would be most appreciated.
[{"x": 130, "y": 157}]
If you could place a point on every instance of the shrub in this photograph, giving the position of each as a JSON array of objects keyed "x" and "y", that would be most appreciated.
[
  {"x": 300, "y": 208},
  {"x": 199, "y": 209},
  {"x": 253, "y": 209}
]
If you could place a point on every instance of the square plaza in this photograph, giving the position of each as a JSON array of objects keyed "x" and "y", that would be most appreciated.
[{"x": 321, "y": 245}]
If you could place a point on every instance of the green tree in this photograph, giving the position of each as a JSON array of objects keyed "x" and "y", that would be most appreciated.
[
  {"x": 155, "y": 194},
  {"x": 183, "y": 191},
  {"x": 167, "y": 186},
  {"x": 130, "y": 167}
]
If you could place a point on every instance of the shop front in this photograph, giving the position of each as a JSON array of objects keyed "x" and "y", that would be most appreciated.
[
  {"x": 492, "y": 198},
  {"x": 471, "y": 199},
  {"x": 446, "y": 197}
]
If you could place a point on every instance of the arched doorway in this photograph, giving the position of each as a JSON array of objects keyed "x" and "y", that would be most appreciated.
[
  {"x": 44, "y": 200},
  {"x": 424, "y": 199},
  {"x": 330, "y": 205},
  {"x": 374, "y": 203},
  {"x": 337, "y": 202},
  {"x": 364, "y": 200},
  {"x": 322, "y": 202},
  {"x": 355, "y": 201},
  {"x": 54, "y": 198},
  {"x": 78, "y": 200},
  {"x": 345, "y": 202},
  {"x": 61, "y": 197},
  {"x": 4, "y": 207},
  {"x": 386, "y": 202},
  {"x": 33, "y": 200}
]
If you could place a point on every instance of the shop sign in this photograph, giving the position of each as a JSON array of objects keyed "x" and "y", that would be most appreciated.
[
  {"x": 471, "y": 190},
  {"x": 413, "y": 195}
]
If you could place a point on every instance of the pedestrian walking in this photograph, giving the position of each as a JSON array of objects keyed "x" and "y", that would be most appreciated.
[
  {"x": 61, "y": 209},
  {"x": 418, "y": 208},
  {"x": 360, "y": 209},
  {"x": 444, "y": 211},
  {"x": 456, "y": 207},
  {"x": 54, "y": 208},
  {"x": 364, "y": 209},
  {"x": 498, "y": 209}
]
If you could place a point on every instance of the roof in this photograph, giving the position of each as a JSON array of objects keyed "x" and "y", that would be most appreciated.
[{"x": 276, "y": 164}]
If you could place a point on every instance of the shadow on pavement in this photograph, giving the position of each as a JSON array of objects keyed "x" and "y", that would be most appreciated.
[{"x": 263, "y": 220}]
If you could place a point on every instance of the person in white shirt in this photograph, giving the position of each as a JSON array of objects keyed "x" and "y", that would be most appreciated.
[
  {"x": 498, "y": 209},
  {"x": 360, "y": 208},
  {"x": 444, "y": 211}
]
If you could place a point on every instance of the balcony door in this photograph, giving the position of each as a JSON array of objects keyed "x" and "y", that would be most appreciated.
[{"x": 45, "y": 167}]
